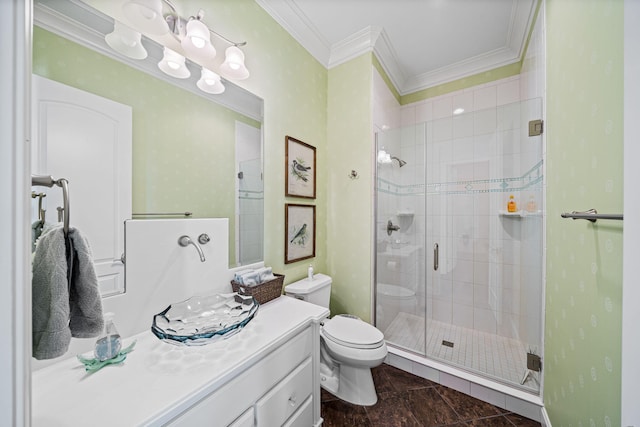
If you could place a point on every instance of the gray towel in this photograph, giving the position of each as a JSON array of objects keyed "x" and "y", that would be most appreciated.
[
  {"x": 50, "y": 296},
  {"x": 65, "y": 301},
  {"x": 84, "y": 294}
]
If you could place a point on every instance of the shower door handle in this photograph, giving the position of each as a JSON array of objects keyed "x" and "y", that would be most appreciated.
[{"x": 436, "y": 256}]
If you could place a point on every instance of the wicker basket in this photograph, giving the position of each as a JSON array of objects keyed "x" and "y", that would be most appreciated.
[{"x": 263, "y": 292}]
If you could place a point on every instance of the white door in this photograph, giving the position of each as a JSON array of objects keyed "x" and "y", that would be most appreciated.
[{"x": 87, "y": 140}]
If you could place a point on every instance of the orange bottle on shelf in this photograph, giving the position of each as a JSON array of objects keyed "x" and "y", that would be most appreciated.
[{"x": 511, "y": 204}]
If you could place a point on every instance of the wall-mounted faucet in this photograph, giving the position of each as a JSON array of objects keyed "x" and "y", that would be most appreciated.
[{"x": 185, "y": 241}]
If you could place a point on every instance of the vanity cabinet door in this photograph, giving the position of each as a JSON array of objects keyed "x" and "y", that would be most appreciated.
[
  {"x": 286, "y": 397},
  {"x": 304, "y": 416},
  {"x": 244, "y": 420},
  {"x": 255, "y": 384}
]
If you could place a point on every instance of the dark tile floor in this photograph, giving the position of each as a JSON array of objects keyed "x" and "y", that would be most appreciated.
[{"x": 408, "y": 400}]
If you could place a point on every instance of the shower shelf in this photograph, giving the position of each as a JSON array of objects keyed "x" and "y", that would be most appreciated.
[{"x": 520, "y": 214}]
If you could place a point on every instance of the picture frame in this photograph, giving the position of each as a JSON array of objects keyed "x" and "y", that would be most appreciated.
[
  {"x": 300, "y": 234},
  {"x": 300, "y": 169}
]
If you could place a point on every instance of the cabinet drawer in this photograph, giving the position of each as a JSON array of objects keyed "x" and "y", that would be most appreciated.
[
  {"x": 244, "y": 420},
  {"x": 285, "y": 398},
  {"x": 227, "y": 403},
  {"x": 304, "y": 416}
]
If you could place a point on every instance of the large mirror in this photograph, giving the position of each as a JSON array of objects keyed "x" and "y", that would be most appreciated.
[{"x": 191, "y": 151}]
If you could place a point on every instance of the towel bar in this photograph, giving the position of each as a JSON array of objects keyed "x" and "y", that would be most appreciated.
[
  {"x": 48, "y": 181},
  {"x": 591, "y": 215}
]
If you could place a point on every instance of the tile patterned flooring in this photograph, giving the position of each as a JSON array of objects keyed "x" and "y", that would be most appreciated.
[
  {"x": 408, "y": 400},
  {"x": 498, "y": 357}
]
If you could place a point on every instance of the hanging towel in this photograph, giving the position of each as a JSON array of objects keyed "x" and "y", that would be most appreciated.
[
  {"x": 85, "y": 303},
  {"x": 65, "y": 295},
  {"x": 50, "y": 295},
  {"x": 36, "y": 231}
]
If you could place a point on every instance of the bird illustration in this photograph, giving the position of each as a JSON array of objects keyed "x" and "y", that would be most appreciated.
[
  {"x": 301, "y": 234},
  {"x": 299, "y": 170},
  {"x": 299, "y": 167},
  {"x": 298, "y": 175}
]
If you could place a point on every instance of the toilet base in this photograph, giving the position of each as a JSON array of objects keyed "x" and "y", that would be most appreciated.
[{"x": 353, "y": 385}]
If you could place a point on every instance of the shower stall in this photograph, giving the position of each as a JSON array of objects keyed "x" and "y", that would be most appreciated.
[{"x": 459, "y": 276}]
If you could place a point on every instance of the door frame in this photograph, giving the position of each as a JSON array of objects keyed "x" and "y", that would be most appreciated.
[
  {"x": 630, "y": 411},
  {"x": 15, "y": 184}
]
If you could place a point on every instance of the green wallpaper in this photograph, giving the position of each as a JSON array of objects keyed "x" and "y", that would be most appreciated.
[
  {"x": 584, "y": 170},
  {"x": 350, "y": 147},
  {"x": 182, "y": 143},
  {"x": 294, "y": 88}
]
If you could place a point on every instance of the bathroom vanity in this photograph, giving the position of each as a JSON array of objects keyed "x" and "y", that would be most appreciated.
[{"x": 266, "y": 375}]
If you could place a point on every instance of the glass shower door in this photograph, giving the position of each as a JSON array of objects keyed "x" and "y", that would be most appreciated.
[
  {"x": 459, "y": 277},
  {"x": 400, "y": 254}
]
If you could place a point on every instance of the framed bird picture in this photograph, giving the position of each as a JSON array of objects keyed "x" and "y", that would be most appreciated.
[
  {"x": 300, "y": 235},
  {"x": 300, "y": 173}
]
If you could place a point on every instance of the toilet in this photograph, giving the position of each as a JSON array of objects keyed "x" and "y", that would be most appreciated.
[
  {"x": 391, "y": 301},
  {"x": 349, "y": 346}
]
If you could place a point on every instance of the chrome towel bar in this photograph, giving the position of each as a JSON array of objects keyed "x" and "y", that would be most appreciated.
[
  {"x": 591, "y": 215},
  {"x": 48, "y": 181},
  {"x": 162, "y": 214}
]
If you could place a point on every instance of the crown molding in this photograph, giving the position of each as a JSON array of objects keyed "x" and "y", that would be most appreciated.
[
  {"x": 87, "y": 27},
  {"x": 353, "y": 46},
  {"x": 293, "y": 20},
  {"x": 460, "y": 70}
]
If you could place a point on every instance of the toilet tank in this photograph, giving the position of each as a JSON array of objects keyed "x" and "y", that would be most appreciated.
[{"x": 316, "y": 291}]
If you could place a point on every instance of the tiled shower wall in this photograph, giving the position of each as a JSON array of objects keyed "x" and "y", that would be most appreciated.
[{"x": 474, "y": 161}]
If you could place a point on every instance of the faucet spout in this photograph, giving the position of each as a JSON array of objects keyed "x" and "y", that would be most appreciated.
[{"x": 185, "y": 241}]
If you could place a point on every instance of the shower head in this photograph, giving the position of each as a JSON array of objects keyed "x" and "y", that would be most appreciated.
[{"x": 400, "y": 162}]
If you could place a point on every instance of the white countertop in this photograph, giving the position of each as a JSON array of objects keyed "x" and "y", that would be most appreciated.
[{"x": 159, "y": 380}]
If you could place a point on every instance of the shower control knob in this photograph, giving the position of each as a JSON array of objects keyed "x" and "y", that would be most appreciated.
[{"x": 204, "y": 238}]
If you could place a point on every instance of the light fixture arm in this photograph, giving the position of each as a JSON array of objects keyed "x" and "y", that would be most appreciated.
[
  {"x": 237, "y": 44},
  {"x": 177, "y": 25}
]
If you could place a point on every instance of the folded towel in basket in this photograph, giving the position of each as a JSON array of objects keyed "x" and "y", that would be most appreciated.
[{"x": 254, "y": 277}]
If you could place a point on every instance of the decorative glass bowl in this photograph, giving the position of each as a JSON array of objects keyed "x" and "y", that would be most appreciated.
[{"x": 204, "y": 319}]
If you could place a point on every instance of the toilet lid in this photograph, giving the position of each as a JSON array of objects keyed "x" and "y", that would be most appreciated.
[{"x": 352, "y": 332}]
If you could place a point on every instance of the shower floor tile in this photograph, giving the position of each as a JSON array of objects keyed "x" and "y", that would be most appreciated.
[{"x": 495, "y": 356}]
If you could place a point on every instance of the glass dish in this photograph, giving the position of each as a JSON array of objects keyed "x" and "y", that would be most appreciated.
[{"x": 204, "y": 319}]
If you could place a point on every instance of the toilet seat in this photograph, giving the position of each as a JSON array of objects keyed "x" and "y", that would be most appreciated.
[{"x": 352, "y": 332}]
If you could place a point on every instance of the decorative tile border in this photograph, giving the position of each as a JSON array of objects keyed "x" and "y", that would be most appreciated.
[
  {"x": 529, "y": 180},
  {"x": 250, "y": 195}
]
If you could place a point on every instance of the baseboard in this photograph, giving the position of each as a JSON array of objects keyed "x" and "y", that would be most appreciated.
[{"x": 546, "y": 422}]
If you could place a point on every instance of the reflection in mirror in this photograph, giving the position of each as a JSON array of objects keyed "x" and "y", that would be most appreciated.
[{"x": 192, "y": 151}]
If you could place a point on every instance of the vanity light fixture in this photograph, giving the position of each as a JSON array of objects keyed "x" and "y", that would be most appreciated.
[
  {"x": 233, "y": 66},
  {"x": 126, "y": 41},
  {"x": 210, "y": 82},
  {"x": 197, "y": 40},
  {"x": 146, "y": 16},
  {"x": 193, "y": 35},
  {"x": 174, "y": 65}
]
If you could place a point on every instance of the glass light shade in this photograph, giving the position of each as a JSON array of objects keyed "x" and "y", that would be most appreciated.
[
  {"x": 146, "y": 16},
  {"x": 210, "y": 82},
  {"x": 233, "y": 65},
  {"x": 126, "y": 41},
  {"x": 173, "y": 64},
  {"x": 197, "y": 41}
]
